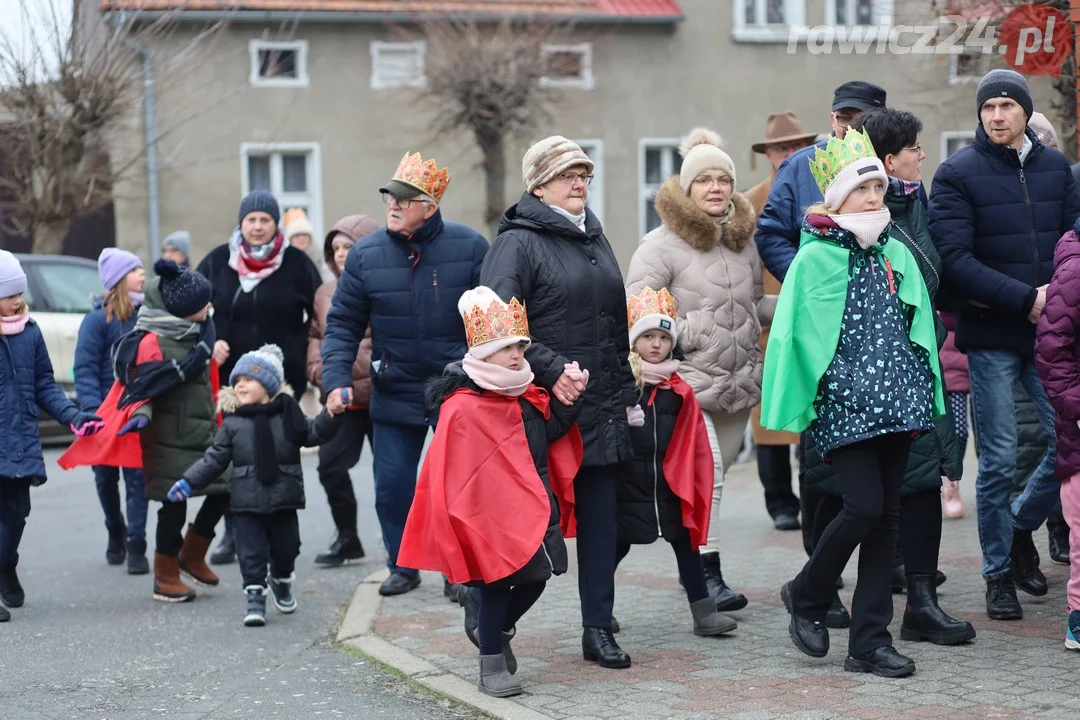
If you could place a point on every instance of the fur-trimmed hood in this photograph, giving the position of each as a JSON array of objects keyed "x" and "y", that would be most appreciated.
[
  {"x": 228, "y": 402},
  {"x": 453, "y": 379},
  {"x": 699, "y": 229}
]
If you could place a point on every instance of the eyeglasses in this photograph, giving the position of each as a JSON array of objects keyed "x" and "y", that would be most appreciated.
[
  {"x": 403, "y": 203},
  {"x": 723, "y": 181},
  {"x": 915, "y": 149},
  {"x": 571, "y": 177}
]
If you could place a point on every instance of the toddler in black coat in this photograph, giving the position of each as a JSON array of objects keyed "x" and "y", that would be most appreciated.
[
  {"x": 667, "y": 487},
  {"x": 261, "y": 436}
]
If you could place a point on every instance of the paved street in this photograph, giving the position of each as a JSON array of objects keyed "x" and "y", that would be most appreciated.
[
  {"x": 1013, "y": 670},
  {"x": 90, "y": 643}
]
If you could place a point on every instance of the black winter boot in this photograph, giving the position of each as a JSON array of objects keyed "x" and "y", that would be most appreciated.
[
  {"x": 346, "y": 548},
  {"x": 1001, "y": 602},
  {"x": 11, "y": 590},
  {"x": 137, "y": 564},
  {"x": 599, "y": 646},
  {"x": 115, "y": 552},
  {"x": 1025, "y": 564},
  {"x": 727, "y": 599},
  {"x": 256, "y": 606},
  {"x": 225, "y": 552},
  {"x": 1059, "y": 543},
  {"x": 281, "y": 589},
  {"x": 924, "y": 620}
]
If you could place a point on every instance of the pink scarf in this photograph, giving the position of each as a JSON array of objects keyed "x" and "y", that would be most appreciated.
[
  {"x": 658, "y": 373},
  {"x": 15, "y": 324},
  {"x": 255, "y": 264},
  {"x": 496, "y": 378}
]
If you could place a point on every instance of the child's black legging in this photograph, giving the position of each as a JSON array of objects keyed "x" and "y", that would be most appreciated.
[
  {"x": 690, "y": 570},
  {"x": 501, "y": 606}
]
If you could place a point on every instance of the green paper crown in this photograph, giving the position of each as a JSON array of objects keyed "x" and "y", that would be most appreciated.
[{"x": 837, "y": 155}]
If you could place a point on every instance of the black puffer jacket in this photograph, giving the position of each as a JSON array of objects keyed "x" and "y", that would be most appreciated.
[
  {"x": 280, "y": 486},
  {"x": 551, "y": 558},
  {"x": 573, "y": 291},
  {"x": 647, "y": 506}
]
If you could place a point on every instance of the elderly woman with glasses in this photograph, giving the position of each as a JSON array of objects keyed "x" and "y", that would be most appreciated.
[
  {"x": 552, "y": 255},
  {"x": 704, "y": 254}
]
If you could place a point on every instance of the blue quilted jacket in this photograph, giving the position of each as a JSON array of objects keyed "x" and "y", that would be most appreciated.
[
  {"x": 407, "y": 288},
  {"x": 93, "y": 355}
]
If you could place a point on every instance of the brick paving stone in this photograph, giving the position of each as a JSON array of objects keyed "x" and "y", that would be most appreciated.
[{"x": 1013, "y": 670}]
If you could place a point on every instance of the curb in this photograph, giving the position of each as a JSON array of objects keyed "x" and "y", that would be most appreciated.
[{"x": 357, "y": 631}]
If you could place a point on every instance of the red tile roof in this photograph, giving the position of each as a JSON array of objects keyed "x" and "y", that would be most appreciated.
[{"x": 615, "y": 9}]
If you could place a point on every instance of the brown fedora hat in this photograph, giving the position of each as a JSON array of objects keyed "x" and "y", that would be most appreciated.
[{"x": 780, "y": 128}]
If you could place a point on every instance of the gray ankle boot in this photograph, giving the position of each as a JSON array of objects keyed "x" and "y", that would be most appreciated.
[
  {"x": 508, "y": 653},
  {"x": 707, "y": 621},
  {"x": 494, "y": 678}
]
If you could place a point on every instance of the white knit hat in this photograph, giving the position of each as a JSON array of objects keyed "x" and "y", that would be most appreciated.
[
  {"x": 12, "y": 277},
  {"x": 701, "y": 151},
  {"x": 651, "y": 310},
  {"x": 490, "y": 323},
  {"x": 851, "y": 177}
]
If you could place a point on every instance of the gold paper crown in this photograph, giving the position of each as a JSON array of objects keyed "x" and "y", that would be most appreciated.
[
  {"x": 497, "y": 322},
  {"x": 838, "y": 154},
  {"x": 424, "y": 176},
  {"x": 649, "y": 302}
]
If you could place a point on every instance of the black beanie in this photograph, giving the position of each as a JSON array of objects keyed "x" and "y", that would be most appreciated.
[
  {"x": 184, "y": 291},
  {"x": 1004, "y": 83},
  {"x": 259, "y": 200}
]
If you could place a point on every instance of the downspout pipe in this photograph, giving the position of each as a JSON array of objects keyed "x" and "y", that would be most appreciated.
[{"x": 150, "y": 126}]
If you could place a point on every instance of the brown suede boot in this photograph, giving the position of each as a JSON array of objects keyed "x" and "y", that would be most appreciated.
[
  {"x": 193, "y": 559},
  {"x": 167, "y": 584}
]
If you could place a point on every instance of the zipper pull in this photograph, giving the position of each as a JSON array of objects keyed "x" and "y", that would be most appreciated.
[
  {"x": 434, "y": 278},
  {"x": 1022, "y": 180}
]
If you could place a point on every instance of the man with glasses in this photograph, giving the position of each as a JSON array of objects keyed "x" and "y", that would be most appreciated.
[{"x": 405, "y": 280}]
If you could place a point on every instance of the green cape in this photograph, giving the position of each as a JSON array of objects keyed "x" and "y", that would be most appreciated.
[{"x": 806, "y": 328}]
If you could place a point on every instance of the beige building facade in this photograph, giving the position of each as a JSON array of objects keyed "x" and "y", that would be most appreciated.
[{"x": 319, "y": 107}]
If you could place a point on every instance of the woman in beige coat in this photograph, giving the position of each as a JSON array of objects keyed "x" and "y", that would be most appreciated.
[{"x": 704, "y": 254}]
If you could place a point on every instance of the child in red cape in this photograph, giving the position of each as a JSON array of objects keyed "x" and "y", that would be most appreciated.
[
  {"x": 667, "y": 490},
  {"x": 160, "y": 416},
  {"x": 496, "y": 484}
]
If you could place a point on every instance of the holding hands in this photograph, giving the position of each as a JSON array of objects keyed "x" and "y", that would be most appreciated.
[
  {"x": 570, "y": 384},
  {"x": 180, "y": 491},
  {"x": 86, "y": 423}
]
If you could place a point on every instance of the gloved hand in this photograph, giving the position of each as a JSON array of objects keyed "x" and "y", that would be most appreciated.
[
  {"x": 574, "y": 371},
  {"x": 635, "y": 416},
  {"x": 180, "y": 491},
  {"x": 86, "y": 423},
  {"x": 137, "y": 423}
]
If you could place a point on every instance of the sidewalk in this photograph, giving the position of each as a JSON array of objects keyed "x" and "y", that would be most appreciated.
[{"x": 1013, "y": 670}]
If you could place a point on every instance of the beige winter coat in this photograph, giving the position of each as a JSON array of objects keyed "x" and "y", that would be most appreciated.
[{"x": 713, "y": 271}]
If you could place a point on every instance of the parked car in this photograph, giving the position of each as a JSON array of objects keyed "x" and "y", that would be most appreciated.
[{"x": 60, "y": 291}]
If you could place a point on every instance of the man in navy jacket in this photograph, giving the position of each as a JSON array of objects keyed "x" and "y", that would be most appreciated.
[
  {"x": 794, "y": 189},
  {"x": 405, "y": 280},
  {"x": 997, "y": 210}
]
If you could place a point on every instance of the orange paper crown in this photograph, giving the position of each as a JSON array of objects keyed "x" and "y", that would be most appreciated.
[
  {"x": 424, "y": 176},
  {"x": 500, "y": 320},
  {"x": 649, "y": 302}
]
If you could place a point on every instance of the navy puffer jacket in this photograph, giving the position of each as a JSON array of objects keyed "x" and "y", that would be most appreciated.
[
  {"x": 996, "y": 224},
  {"x": 93, "y": 355},
  {"x": 28, "y": 387},
  {"x": 407, "y": 288}
]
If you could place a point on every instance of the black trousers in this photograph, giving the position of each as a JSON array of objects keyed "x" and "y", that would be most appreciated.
[
  {"x": 870, "y": 473},
  {"x": 338, "y": 456},
  {"x": 266, "y": 541},
  {"x": 774, "y": 470},
  {"x": 172, "y": 516},
  {"x": 688, "y": 559},
  {"x": 596, "y": 510}
]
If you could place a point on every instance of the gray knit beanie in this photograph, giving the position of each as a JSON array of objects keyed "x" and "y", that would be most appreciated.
[
  {"x": 550, "y": 157},
  {"x": 259, "y": 200},
  {"x": 1004, "y": 83}
]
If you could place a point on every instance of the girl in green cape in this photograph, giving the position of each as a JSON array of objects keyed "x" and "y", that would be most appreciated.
[{"x": 853, "y": 357}]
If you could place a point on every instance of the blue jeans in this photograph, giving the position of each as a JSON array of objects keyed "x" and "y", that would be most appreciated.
[
  {"x": 397, "y": 454},
  {"x": 993, "y": 375},
  {"x": 108, "y": 490},
  {"x": 14, "y": 509}
]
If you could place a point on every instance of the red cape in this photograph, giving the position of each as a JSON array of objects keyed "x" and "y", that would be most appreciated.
[
  {"x": 107, "y": 448},
  {"x": 481, "y": 510},
  {"x": 688, "y": 463}
]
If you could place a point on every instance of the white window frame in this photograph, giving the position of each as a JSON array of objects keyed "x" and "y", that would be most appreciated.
[
  {"x": 948, "y": 135},
  {"x": 301, "y": 49},
  {"x": 646, "y": 192},
  {"x": 289, "y": 199},
  {"x": 883, "y": 10},
  {"x": 586, "y": 81},
  {"x": 594, "y": 148},
  {"x": 794, "y": 15},
  {"x": 380, "y": 83},
  {"x": 955, "y": 79}
]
